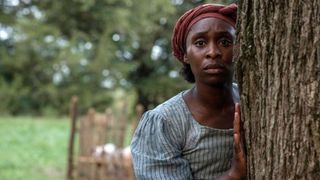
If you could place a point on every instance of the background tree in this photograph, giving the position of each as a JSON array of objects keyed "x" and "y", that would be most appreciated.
[
  {"x": 279, "y": 79},
  {"x": 87, "y": 48},
  {"x": 104, "y": 51}
]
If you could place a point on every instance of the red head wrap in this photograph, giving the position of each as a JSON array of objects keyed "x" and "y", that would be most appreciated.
[{"x": 185, "y": 22}]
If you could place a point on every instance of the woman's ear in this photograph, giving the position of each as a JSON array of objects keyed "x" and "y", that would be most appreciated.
[{"x": 185, "y": 59}]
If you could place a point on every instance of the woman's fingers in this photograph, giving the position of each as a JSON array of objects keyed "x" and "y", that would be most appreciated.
[
  {"x": 239, "y": 161},
  {"x": 236, "y": 121},
  {"x": 237, "y": 146},
  {"x": 236, "y": 130}
]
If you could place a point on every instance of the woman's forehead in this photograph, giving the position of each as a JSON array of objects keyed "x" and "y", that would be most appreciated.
[{"x": 211, "y": 24}]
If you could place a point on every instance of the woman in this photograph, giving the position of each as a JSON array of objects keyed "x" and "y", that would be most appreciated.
[{"x": 195, "y": 134}]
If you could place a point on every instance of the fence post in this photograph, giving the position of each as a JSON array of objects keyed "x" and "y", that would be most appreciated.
[
  {"x": 73, "y": 117},
  {"x": 85, "y": 168},
  {"x": 100, "y": 127},
  {"x": 122, "y": 125},
  {"x": 139, "y": 112},
  {"x": 110, "y": 125}
]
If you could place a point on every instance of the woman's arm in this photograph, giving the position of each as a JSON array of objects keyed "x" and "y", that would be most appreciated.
[{"x": 156, "y": 150}]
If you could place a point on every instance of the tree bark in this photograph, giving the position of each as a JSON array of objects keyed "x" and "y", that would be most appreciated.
[{"x": 278, "y": 72}]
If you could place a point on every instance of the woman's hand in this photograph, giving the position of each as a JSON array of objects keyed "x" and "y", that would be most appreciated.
[{"x": 238, "y": 168}]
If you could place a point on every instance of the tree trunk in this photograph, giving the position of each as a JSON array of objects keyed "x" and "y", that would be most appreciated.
[{"x": 279, "y": 79}]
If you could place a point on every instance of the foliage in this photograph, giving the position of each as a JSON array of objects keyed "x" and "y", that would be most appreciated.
[{"x": 51, "y": 50}]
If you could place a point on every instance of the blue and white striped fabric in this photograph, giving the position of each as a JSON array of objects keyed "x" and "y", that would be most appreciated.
[{"x": 170, "y": 144}]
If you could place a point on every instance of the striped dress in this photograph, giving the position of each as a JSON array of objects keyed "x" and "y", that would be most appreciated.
[{"x": 170, "y": 144}]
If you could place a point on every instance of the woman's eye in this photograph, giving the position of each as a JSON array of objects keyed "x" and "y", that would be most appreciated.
[
  {"x": 200, "y": 43},
  {"x": 225, "y": 42}
]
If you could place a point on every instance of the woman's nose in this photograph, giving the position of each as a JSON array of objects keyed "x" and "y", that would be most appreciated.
[{"x": 213, "y": 51}]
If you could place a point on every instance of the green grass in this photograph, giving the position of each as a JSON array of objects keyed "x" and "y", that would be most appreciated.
[{"x": 33, "y": 148}]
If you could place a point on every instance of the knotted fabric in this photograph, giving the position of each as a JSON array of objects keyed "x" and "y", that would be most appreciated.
[{"x": 183, "y": 25}]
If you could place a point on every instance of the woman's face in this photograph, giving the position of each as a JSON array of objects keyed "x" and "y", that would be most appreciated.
[{"x": 209, "y": 51}]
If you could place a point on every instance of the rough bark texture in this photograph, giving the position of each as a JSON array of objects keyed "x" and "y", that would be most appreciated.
[{"x": 279, "y": 78}]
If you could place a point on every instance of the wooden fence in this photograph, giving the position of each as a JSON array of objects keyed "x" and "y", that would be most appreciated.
[{"x": 94, "y": 160}]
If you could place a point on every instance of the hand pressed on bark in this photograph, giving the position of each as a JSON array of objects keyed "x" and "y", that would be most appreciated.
[{"x": 238, "y": 168}]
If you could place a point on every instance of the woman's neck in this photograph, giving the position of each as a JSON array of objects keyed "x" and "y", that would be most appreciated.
[{"x": 215, "y": 97}]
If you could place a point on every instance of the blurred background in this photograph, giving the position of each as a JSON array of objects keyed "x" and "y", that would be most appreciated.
[{"x": 111, "y": 54}]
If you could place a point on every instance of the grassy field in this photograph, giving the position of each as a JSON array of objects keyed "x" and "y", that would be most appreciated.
[{"x": 33, "y": 148}]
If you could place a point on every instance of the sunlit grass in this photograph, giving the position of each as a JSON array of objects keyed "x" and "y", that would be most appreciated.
[{"x": 33, "y": 148}]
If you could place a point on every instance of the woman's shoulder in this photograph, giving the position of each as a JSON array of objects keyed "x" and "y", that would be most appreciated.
[
  {"x": 173, "y": 108},
  {"x": 171, "y": 114},
  {"x": 164, "y": 122},
  {"x": 235, "y": 92}
]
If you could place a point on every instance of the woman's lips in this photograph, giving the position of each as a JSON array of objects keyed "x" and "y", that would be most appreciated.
[{"x": 214, "y": 69}]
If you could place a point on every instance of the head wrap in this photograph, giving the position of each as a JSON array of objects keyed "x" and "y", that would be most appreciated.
[{"x": 183, "y": 25}]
